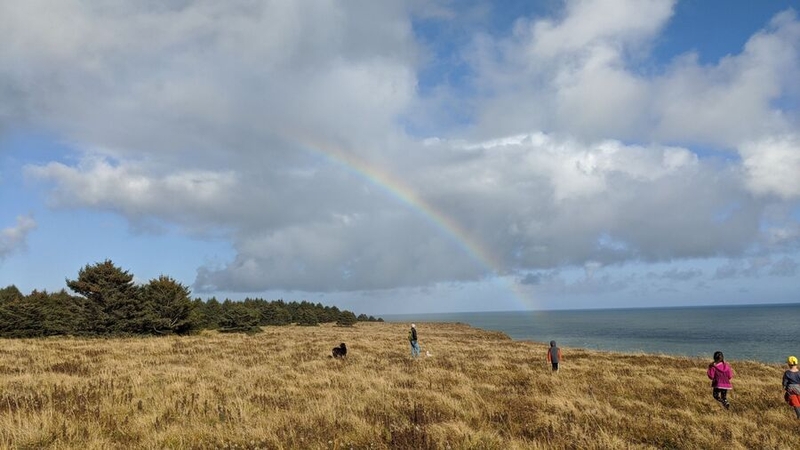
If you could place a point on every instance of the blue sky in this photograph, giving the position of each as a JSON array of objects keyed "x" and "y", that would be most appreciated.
[{"x": 401, "y": 157}]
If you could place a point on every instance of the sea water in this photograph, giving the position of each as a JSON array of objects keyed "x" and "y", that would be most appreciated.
[{"x": 766, "y": 333}]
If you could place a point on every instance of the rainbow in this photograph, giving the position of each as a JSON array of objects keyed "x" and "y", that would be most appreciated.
[{"x": 401, "y": 191}]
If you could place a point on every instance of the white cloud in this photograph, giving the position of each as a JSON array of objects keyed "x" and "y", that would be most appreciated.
[
  {"x": 580, "y": 75},
  {"x": 591, "y": 23},
  {"x": 772, "y": 165},
  {"x": 132, "y": 191},
  {"x": 734, "y": 100},
  {"x": 569, "y": 74},
  {"x": 197, "y": 78},
  {"x": 532, "y": 201},
  {"x": 14, "y": 237}
]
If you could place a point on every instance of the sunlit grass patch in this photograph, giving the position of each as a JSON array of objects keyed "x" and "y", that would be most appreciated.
[{"x": 280, "y": 389}]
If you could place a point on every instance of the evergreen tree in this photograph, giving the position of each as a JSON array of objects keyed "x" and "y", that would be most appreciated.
[
  {"x": 108, "y": 302},
  {"x": 237, "y": 317},
  {"x": 10, "y": 294},
  {"x": 20, "y": 319},
  {"x": 330, "y": 314},
  {"x": 113, "y": 304},
  {"x": 275, "y": 314},
  {"x": 168, "y": 306},
  {"x": 198, "y": 314},
  {"x": 346, "y": 319},
  {"x": 210, "y": 314},
  {"x": 306, "y": 316},
  {"x": 58, "y": 313}
]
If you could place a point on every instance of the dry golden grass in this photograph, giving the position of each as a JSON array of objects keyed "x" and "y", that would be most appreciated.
[{"x": 278, "y": 389}]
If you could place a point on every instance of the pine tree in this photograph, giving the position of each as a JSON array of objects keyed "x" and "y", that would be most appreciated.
[
  {"x": 237, "y": 317},
  {"x": 168, "y": 306},
  {"x": 346, "y": 319},
  {"x": 113, "y": 304},
  {"x": 306, "y": 317}
]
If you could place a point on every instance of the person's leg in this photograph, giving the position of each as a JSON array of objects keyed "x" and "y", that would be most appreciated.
[
  {"x": 717, "y": 393},
  {"x": 416, "y": 348},
  {"x": 724, "y": 396},
  {"x": 794, "y": 401}
]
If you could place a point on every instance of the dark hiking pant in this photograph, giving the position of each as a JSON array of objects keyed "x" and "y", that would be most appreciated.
[{"x": 721, "y": 395}]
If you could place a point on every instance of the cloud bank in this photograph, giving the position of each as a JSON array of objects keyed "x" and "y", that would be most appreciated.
[{"x": 286, "y": 127}]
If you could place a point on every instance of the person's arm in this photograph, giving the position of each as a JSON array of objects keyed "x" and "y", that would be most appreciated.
[
  {"x": 711, "y": 371},
  {"x": 549, "y": 357},
  {"x": 785, "y": 380}
]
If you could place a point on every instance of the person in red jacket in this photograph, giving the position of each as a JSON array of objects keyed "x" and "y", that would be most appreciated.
[
  {"x": 720, "y": 374},
  {"x": 554, "y": 355}
]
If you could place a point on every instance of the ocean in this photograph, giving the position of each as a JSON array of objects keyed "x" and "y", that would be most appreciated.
[{"x": 766, "y": 333}]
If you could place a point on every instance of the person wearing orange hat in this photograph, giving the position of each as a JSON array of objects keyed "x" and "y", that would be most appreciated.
[{"x": 791, "y": 385}]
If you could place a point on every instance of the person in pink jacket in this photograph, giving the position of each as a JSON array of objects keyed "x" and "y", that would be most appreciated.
[{"x": 720, "y": 374}]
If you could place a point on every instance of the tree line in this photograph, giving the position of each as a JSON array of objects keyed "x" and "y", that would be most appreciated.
[{"x": 105, "y": 301}]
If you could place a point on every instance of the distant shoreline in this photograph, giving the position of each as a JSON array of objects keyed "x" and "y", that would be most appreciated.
[
  {"x": 408, "y": 316},
  {"x": 764, "y": 333}
]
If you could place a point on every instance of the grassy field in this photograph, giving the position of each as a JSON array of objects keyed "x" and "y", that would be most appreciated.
[{"x": 279, "y": 389}]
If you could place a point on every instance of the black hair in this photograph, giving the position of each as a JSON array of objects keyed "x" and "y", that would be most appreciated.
[{"x": 718, "y": 357}]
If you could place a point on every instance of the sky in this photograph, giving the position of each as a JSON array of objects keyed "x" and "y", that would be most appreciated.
[{"x": 407, "y": 156}]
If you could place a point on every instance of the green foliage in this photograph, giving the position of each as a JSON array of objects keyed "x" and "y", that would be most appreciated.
[
  {"x": 168, "y": 306},
  {"x": 270, "y": 313},
  {"x": 347, "y": 319},
  {"x": 20, "y": 319},
  {"x": 41, "y": 314},
  {"x": 10, "y": 294},
  {"x": 108, "y": 303},
  {"x": 326, "y": 314},
  {"x": 113, "y": 304},
  {"x": 206, "y": 315},
  {"x": 275, "y": 314},
  {"x": 237, "y": 317},
  {"x": 306, "y": 317},
  {"x": 60, "y": 313}
]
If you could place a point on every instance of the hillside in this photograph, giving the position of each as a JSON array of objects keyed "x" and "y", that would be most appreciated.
[{"x": 279, "y": 389}]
